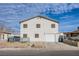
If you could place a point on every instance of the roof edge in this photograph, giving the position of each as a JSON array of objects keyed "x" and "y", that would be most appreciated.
[{"x": 40, "y": 16}]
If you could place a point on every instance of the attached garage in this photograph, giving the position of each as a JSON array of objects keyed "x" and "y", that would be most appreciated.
[{"x": 51, "y": 37}]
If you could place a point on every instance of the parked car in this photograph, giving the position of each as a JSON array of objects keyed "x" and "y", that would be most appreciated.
[{"x": 14, "y": 39}]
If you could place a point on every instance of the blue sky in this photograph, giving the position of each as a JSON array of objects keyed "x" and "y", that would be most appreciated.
[{"x": 67, "y": 14}]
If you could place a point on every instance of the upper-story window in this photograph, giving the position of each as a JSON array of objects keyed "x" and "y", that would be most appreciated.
[
  {"x": 24, "y": 25},
  {"x": 52, "y": 25},
  {"x": 37, "y": 25}
]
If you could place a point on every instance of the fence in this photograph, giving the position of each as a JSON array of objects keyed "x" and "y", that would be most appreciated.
[
  {"x": 71, "y": 42},
  {"x": 24, "y": 39}
]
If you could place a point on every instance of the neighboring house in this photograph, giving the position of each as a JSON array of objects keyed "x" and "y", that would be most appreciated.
[
  {"x": 39, "y": 28},
  {"x": 7, "y": 32},
  {"x": 73, "y": 33},
  {"x": 4, "y": 32},
  {"x": 4, "y": 35}
]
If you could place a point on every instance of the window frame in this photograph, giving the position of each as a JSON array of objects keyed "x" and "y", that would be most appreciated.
[
  {"x": 36, "y": 35},
  {"x": 52, "y": 25},
  {"x": 25, "y": 26},
  {"x": 38, "y": 25}
]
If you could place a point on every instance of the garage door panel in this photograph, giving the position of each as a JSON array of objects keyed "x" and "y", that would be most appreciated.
[{"x": 50, "y": 37}]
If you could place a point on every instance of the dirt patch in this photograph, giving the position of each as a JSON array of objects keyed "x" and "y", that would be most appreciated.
[
  {"x": 38, "y": 45},
  {"x": 14, "y": 45}
]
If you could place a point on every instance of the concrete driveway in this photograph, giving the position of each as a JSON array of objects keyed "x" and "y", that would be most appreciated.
[
  {"x": 61, "y": 46},
  {"x": 54, "y": 49}
]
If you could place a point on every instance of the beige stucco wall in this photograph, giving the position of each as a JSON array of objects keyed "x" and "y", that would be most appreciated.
[{"x": 32, "y": 30}]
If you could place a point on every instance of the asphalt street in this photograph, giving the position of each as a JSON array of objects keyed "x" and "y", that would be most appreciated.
[{"x": 39, "y": 53}]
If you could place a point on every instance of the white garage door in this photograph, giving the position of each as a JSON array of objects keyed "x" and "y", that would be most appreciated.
[{"x": 50, "y": 38}]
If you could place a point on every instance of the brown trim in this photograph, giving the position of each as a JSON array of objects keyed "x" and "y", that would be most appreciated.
[{"x": 71, "y": 32}]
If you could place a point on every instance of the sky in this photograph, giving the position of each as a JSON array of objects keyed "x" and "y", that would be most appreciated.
[{"x": 66, "y": 13}]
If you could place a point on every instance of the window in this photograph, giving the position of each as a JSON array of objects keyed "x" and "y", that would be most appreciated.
[
  {"x": 36, "y": 35},
  {"x": 24, "y": 35},
  {"x": 24, "y": 25},
  {"x": 52, "y": 25},
  {"x": 37, "y": 25}
]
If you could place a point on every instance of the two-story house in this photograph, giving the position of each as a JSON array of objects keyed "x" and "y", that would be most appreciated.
[{"x": 39, "y": 28}]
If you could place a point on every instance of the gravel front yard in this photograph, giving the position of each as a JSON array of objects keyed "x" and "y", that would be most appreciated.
[
  {"x": 13, "y": 45},
  {"x": 27, "y": 46}
]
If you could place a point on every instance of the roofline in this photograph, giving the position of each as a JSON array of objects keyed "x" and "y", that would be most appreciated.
[
  {"x": 39, "y": 16},
  {"x": 5, "y": 32}
]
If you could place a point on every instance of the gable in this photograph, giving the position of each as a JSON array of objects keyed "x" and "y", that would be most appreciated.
[{"x": 47, "y": 18}]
